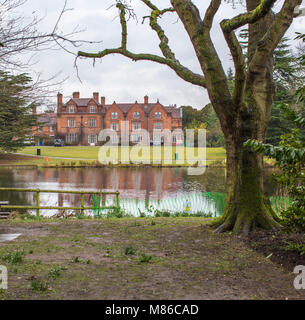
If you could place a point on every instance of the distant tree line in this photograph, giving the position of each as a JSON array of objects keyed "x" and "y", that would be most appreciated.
[{"x": 204, "y": 118}]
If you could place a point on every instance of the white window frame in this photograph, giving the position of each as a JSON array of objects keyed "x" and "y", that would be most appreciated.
[
  {"x": 71, "y": 109},
  {"x": 71, "y": 123},
  {"x": 114, "y": 115},
  {"x": 136, "y": 115},
  {"x": 116, "y": 125},
  {"x": 92, "y": 138},
  {"x": 114, "y": 138},
  {"x": 136, "y": 126},
  {"x": 92, "y": 123},
  {"x": 92, "y": 109},
  {"x": 157, "y": 123},
  {"x": 71, "y": 137},
  {"x": 136, "y": 137},
  {"x": 158, "y": 115}
]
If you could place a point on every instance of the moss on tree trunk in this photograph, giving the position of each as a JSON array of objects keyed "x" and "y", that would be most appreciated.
[{"x": 246, "y": 206}]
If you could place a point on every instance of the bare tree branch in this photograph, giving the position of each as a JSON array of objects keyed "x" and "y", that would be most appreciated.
[
  {"x": 199, "y": 33},
  {"x": 240, "y": 67},
  {"x": 155, "y": 14},
  {"x": 169, "y": 57},
  {"x": 18, "y": 35},
  {"x": 210, "y": 13}
]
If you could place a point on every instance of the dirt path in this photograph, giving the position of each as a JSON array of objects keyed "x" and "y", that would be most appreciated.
[{"x": 187, "y": 261}]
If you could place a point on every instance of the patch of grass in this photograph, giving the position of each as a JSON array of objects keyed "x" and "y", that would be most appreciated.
[
  {"x": 144, "y": 258},
  {"x": 299, "y": 248},
  {"x": 13, "y": 257},
  {"x": 55, "y": 272},
  {"x": 130, "y": 251},
  {"x": 75, "y": 260},
  {"x": 39, "y": 285}
]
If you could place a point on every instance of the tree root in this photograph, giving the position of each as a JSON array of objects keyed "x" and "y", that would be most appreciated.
[{"x": 244, "y": 223}]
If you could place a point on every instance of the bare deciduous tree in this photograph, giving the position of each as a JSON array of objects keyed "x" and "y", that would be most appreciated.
[
  {"x": 20, "y": 36},
  {"x": 244, "y": 114}
]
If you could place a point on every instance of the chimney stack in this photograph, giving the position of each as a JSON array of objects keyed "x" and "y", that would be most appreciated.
[
  {"x": 146, "y": 99},
  {"x": 103, "y": 101},
  {"x": 95, "y": 96},
  {"x": 75, "y": 95},
  {"x": 59, "y": 101}
]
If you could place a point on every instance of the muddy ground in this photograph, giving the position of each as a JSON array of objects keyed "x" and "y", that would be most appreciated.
[{"x": 168, "y": 258}]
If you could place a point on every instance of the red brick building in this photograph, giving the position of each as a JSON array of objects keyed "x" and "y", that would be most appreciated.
[
  {"x": 46, "y": 130},
  {"x": 80, "y": 120}
]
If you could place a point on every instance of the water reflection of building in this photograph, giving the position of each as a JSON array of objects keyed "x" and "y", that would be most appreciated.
[{"x": 133, "y": 183}]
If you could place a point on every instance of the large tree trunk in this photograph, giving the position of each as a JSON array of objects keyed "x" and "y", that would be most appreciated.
[{"x": 246, "y": 205}]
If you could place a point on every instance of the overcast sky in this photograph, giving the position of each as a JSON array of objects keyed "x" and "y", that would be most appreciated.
[{"x": 116, "y": 77}]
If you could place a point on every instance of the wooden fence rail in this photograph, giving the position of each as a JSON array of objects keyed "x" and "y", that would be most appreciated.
[{"x": 82, "y": 207}]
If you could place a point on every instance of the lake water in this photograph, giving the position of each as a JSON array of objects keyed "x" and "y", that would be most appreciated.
[{"x": 159, "y": 188}]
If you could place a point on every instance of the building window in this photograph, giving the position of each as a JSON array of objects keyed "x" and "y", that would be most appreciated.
[
  {"x": 40, "y": 128},
  {"x": 71, "y": 137},
  {"x": 92, "y": 138},
  {"x": 174, "y": 139},
  {"x": 92, "y": 109},
  {"x": 71, "y": 123},
  {"x": 114, "y": 126},
  {"x": 51, "y": 128},
  {"x": 71, "y": 109},
  {"x": 114, "y": 115},
  {"x": 158, "y": 115},
  {"x": 114, "y": 138},
  {"x": 158, "y": 126},
  {"x": 136, "y": 138},
  {"x": 136, "y": 126},
  {"x": 157, "y": 138},
  {"x": 136, "y": 115},
  {"x": 92, "y": 123}
]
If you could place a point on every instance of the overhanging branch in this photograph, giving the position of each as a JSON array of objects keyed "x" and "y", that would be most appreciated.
[
  {"x": 155, "y": 14},
  {"x": 168, "y": 56},
  {"x": 259, "y": 12}
]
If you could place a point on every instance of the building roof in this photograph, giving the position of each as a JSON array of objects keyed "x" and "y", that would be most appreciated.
[
  {"x": 175, "y": 112},
  {"x": 125, "y": 107},
  {"x": 83, "y": 102},
  {"x": 48, "y": 119}
]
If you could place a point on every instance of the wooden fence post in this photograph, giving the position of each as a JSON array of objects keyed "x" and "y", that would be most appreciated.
[
  {"x": 82, "y": 204},
  {"x": 37, "y": 202},
  {"x": 117, "y": 201}
]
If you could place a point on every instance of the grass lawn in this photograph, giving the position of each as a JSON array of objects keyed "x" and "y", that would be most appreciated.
[
  {"x": 143, "y": 258},
  {"x": 88, "y": 156},
  {"x": 92, "y": 152}
]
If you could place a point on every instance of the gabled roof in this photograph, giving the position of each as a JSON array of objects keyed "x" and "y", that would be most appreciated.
[
  {"x": 126, "y": 106},
  {"x": 175, "y": 112},
  {"x": 47, "y": 119},
  {"x": 83, "y": 102}
]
